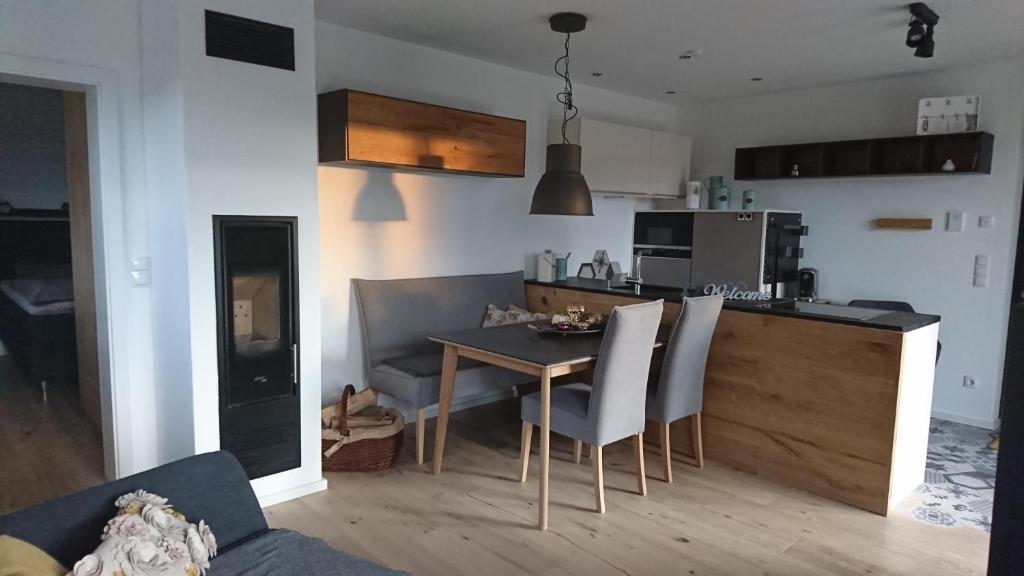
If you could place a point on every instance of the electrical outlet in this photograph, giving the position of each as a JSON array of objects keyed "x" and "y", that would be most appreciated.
[
  {"x": 970, "y": 383},
  {"x": 986, "y": 221}
]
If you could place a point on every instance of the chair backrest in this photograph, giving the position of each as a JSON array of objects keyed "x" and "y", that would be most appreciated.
[
  {"x": 892, "y": 305},
  {"x": 617, "y": 403},
  {"x": 681, "y": 386},
  {"x": 398, "y": 315}
]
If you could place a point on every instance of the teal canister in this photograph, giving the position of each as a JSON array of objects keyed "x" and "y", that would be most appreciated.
[
  {"x": 561, "y": 267},
  {"x": 720, "y": 197},
  {"x": 749, "y": 199}
]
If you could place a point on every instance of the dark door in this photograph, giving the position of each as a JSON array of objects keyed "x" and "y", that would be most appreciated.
[
  {"x": 257, "y": 338},
  {"x": 1006, "y": 555}
]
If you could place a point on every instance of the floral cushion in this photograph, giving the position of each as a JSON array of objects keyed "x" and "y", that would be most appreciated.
[
  {"x": 514, "y": 315},
  {"x": 148, "y": 538}
]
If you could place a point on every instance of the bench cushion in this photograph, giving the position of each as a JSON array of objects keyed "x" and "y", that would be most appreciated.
[
  {"x": 285, "y": 553},
  {"x": 417, "y": 379}
]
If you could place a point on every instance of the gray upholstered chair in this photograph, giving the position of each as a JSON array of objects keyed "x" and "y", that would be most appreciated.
[
  {"x": 611, "y": 409},
  {"x": 679, "y": 392}
]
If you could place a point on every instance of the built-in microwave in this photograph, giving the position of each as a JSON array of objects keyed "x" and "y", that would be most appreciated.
[{"x": 663, "y": 230}]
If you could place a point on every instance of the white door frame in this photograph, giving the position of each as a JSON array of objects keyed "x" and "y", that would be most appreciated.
[{"x": 109, "y": 243}]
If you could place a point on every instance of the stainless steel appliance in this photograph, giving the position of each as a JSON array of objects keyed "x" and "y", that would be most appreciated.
[{"x": 689, "y": 249}]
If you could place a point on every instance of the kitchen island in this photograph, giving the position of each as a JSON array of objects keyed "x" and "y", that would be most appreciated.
[{"x": 824, "y": 398}]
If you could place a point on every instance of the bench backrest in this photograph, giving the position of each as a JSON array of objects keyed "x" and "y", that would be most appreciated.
[{"x": 397, "y": 315}]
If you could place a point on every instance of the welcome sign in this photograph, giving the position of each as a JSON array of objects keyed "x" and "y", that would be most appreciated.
[{"x": 736, "y": 293}]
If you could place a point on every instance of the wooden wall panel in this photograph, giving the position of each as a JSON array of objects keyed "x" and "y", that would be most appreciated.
[
  {"x": 810, "y": 403},
  {"x": 394, "y": 132}
]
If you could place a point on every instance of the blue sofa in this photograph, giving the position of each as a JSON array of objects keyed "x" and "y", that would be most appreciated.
[
  {"x": 397, "y": 316},
  {"x": 212, "y": 487}
]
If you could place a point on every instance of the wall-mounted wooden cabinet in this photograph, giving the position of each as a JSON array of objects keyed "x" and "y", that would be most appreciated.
[
  {"x": 369, "y": 129},
  {"x": 967, "y": 153},
  {"x": 619, "y": 159}
]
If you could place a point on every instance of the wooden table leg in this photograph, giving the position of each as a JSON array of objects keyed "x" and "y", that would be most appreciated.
[
  {"x": 545, "y": 439},
  {"x": 451, "y": 360}
]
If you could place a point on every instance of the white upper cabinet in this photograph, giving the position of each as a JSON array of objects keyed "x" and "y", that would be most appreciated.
[
  {"x": 620, "y": 159},
  {"x": 670, "y": 163},
  {"x": 615, "y": 158}
]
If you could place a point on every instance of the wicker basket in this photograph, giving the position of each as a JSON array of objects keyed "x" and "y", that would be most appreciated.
[{"x": 361, "y": 449}]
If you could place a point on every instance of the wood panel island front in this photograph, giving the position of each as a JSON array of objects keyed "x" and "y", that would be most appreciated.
[{"x": 834, "y": 404}]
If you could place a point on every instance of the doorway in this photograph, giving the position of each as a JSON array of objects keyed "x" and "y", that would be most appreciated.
[{"x": 52, "y": 413}]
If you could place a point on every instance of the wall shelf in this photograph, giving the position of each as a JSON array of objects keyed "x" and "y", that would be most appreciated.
[
  {"x": 970, "y": 152},
  {"x": 359, "y": 128}
]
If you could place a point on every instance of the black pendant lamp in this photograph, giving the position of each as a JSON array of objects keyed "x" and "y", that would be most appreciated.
[{"x": 562, "y": 189}]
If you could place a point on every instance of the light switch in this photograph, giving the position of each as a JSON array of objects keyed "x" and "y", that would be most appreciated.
[
  {"x": 140, "y": 277},
  {"x": 982, "y": 264},
  {"x": 986, "y": 221},
  {"x": 140, "y": 263},
  {"x": 955, "y": 221}
]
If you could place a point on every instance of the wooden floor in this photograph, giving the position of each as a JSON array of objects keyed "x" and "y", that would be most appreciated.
[
  {"x": 46, "y": 450},
  {"x": 477, "y": 519}
]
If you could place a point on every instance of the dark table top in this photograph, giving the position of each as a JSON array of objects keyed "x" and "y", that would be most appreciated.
[
  {"x": 521, "y": 342},
  {"x": 838, "y": 314}
]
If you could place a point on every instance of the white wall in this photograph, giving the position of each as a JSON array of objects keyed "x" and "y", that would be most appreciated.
[
  {"x": 228, "y": 138},
  {"x": 932, "y": 270},
  {"x": 197, "y": 136},
  {"x": 378, "y": 223}
]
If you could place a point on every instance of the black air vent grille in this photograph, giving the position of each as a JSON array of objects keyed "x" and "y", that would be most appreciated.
[{"x": 252, "y": 41}]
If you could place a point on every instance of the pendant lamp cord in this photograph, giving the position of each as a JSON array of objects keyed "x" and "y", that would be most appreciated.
[{"x": 569, "y": 110}]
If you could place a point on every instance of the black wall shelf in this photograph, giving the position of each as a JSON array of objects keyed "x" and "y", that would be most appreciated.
[{"x": 971, "y": 153}]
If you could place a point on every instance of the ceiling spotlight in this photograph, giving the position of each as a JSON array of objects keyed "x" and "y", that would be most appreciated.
[
  {"x": 670, "y": 92},
  {"x": 691, "y": 54},
  {"x": 597, "y": 74},
  {"x": 756, "y": 79},
  {"x": 921, "y": 30}
]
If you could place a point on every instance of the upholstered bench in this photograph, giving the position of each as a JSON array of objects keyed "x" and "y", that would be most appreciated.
[{"x": 397, "y": 316}]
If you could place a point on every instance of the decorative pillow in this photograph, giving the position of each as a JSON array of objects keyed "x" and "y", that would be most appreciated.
[
  {"x": 146, "y": 538},
  {"x": 19, "y": 558},
  {"x": 514, "y": 315}
]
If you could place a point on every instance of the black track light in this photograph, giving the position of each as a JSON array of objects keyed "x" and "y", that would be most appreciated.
[
  {"x": 920, "y": 34},
  {"x": 926, "y": 48},
  {"x": 915, "y": 34}
]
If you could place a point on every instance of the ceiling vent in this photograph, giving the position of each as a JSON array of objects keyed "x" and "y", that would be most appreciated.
[{"x": 252, "y": 41}]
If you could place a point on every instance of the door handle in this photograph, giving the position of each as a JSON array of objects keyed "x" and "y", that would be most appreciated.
[{"x": 295, "y": 364}]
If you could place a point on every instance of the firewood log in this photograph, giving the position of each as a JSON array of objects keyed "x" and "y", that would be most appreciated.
[{"x": 361, "y": 400}]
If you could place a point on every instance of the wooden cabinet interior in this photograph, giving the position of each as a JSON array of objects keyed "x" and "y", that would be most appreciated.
[
  {"x": 370, "y": 129},
  {"x": 970, "y": 153}
]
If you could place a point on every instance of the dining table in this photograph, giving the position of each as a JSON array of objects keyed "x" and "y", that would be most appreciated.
[{"x": 523, "y": 348}]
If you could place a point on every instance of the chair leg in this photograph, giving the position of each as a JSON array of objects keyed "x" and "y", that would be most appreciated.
[
  {"x": 524, "y": 450},
  {"x": 421, "y": 433},
  {"x": 43, "y": 386},
  {"x": 577, "y": 450},
  {"x": 698, "y": 440},
  {"x": 666, "y": 451},
  {"x": 596, "y": 457},
  {"x": 638, "y": 455}
]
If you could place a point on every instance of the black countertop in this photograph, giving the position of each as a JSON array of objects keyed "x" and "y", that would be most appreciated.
[{"x": 881, "y": 319}]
